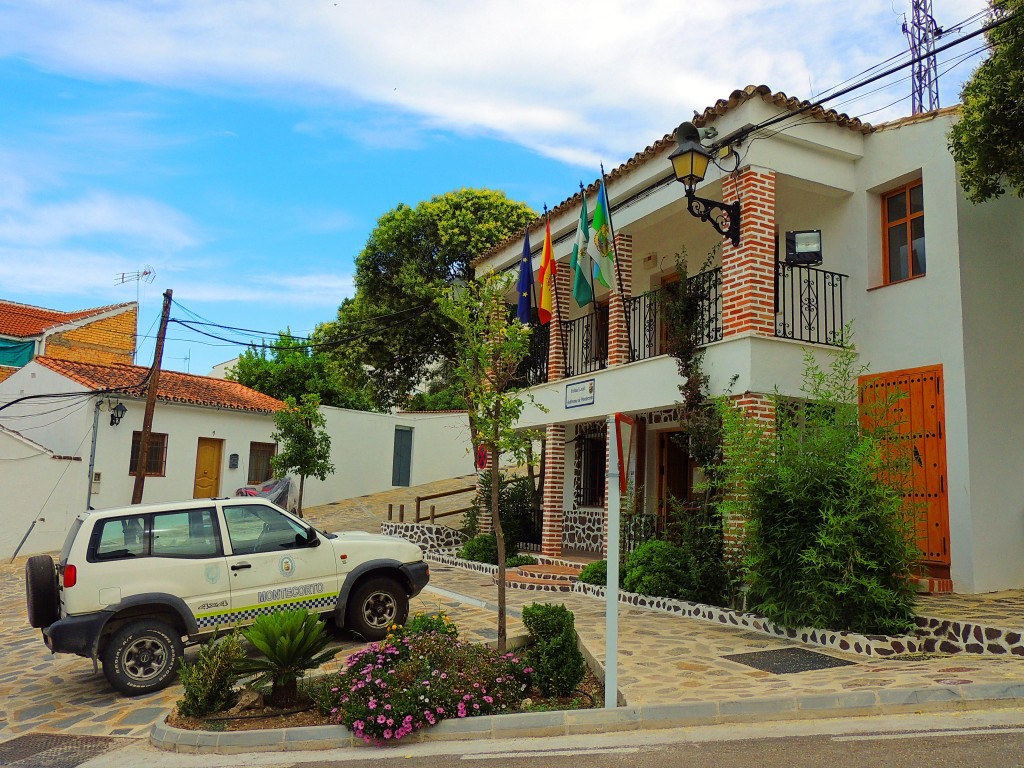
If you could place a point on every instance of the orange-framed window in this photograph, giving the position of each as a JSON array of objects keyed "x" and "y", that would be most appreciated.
[{"x": 903, "y": 251}]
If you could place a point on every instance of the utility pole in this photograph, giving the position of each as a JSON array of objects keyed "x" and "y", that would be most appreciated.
[{"x": 147, "y": 420}]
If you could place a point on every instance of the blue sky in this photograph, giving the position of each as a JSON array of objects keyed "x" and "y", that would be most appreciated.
[{"x": 244, "y": 150}]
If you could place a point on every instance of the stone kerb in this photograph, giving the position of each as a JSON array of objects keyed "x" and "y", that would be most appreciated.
[{"x": 933, "y": 636}]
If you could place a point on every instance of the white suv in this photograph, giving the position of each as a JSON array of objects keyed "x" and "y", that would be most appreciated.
[{"x": 134, "y": 584}]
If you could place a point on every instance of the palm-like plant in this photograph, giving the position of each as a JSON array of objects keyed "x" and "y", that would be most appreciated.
[{"x": 291, "y": 643}]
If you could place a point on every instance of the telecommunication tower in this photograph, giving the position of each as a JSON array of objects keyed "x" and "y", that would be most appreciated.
[{"x": 921, "y": 32}]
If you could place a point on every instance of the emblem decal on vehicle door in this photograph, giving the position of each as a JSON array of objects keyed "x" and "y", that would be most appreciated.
[
  {"x": 212, "y": 573},
  {"x": 287, "y": 566}
]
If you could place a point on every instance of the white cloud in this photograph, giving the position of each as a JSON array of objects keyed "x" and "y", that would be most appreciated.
[{"x": 574, "y": 80}]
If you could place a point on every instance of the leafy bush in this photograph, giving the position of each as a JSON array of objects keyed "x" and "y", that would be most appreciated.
[
  {"x": 517, "y": 560},
  {"x": 291, "y": 643},
  {"x": 595, "y": 573},
  {"x": 404, "y": 684},
  {"x": 557, "y": 661},
  {"x": 516, "y": 497},
  {"x": 830, "y": 542},
  {"x": 208, "y": 682},
  {"x": 656, "y": 568},
  {"x": 424, "y": 623},
  {"x": 698, "y": 534},
  {"x": 481, "y": 549}
]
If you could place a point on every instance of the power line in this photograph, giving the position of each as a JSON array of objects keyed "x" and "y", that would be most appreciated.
[{"x": 819, "y": 103}]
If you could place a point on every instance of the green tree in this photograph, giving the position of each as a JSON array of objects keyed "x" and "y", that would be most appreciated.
[
  {"x": 490, "y": 344},
  {"x": 830, "y": 541},
  {"x": 293, "y": 369},
  {"x": 305, "y": 444},
  {"x": 988, "y": 141},
  {"x": 392, "y": 326}
]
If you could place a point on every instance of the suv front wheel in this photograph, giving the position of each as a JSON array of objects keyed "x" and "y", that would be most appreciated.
[
  {"x": 376, "y": 606},
  {"x": 142, "y": 657}
]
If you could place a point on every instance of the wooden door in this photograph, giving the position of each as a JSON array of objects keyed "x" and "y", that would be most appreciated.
[
  {"x": 917, "y": 423},
  {"x": 673, "y": 474},
  {"x": 208, "y": 455}
]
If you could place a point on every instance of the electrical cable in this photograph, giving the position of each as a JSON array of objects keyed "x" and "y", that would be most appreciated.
[{"x": 820, "y": 101}]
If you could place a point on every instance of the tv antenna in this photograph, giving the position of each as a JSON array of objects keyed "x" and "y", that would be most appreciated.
[{"x": 922, "y": 32}]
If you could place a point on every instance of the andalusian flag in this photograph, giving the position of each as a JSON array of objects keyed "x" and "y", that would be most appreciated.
[
  {"x": 601, "y": 249},
  {"x": 525, "y": 285},
  {"x": 582, "y": 265},
  {"x": 548, "y": 268}
]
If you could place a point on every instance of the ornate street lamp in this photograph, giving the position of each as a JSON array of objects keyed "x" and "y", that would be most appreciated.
[
  {"x": 690, "y": 163},
  {"x": 117, "y": 413}
]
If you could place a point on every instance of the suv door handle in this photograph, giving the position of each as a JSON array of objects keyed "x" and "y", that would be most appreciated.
[{"x": 241, "y": 566}]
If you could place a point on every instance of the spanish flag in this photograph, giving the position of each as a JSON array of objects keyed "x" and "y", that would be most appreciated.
[{"x": 547, "y": 277}]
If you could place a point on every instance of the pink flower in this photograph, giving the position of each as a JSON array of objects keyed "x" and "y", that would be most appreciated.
[
  {"x": 488, "y": 699},
  {"x": 462, "y": 709},
  {"x": 528, "y": 670},
  {"x": 390, "y": 721},
  {"x": 381, "y": 719},
  {"x": 387, "y": 706},
  {"x": 387, "y": 734},
  {"x": 372, "y": 703}
]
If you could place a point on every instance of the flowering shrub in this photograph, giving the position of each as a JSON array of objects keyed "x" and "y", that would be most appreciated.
[{"x": 411, "y": 680}]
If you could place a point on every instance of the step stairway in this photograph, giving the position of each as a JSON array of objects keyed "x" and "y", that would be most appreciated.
[{"x": 541, "y": 578}]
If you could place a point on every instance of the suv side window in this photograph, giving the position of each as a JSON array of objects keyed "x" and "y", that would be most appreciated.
[
  {"x": 119, "y": 538},
  {"x": 190, "y": 533},
  {"x": 256, "y": 528}
]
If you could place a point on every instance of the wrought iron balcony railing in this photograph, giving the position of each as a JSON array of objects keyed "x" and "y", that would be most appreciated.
[
  {"x": 646, "y": 325},
  {"x": 809, "y": 304},
  {"x": 586, "y": 342}
]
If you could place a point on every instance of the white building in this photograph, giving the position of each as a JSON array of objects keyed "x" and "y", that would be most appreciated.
[
  {"x": 209, "y": 438},
  {"x": 930, "y": 282}
]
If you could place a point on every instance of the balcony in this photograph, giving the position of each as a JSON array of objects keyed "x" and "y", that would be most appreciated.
[
  {"x": 586, "y": 342},
  {"x": 809, "y": 304},
  {"x": 643, "y": 316},
  {"x": 808, "y": 308}
]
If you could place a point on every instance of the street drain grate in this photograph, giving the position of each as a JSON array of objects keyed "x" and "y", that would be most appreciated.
[
  {"x": 40, "y": 750},
  {"x": 787, "y": 660}
]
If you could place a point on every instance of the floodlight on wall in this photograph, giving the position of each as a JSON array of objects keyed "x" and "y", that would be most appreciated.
[
  {"x": 803, "y": 247},
  {"x": 117, "y": 413},
  {"x": 690, "y": 163}
]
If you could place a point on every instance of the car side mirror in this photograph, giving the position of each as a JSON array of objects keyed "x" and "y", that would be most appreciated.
[{"x": 309, "y": 540}]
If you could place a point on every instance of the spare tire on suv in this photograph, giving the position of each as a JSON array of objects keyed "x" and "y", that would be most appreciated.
[{"x": 41, "y": 591}]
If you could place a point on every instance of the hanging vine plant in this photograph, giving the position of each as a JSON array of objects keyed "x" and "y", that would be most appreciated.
[{"x": 684, "y": 315}]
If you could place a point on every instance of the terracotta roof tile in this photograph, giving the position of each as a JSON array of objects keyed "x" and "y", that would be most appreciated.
[
  {"x": 175, "y": 387},
  {"x": 24, "y": 320},
  {"x": 700, "y": 119}
]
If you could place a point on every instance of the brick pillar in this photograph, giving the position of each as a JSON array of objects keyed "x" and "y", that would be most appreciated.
[
  {"x": 618, "y": 336},
  {"x": 554, "y": 490},
  {"x": 760, "y": 407},
  {"x": 748, "y": 270},
  {"x": 556, "y": 354}
]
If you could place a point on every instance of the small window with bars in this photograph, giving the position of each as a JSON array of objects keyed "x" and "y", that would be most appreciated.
[
  {"x": 156, "y": 461},
  {"x": 260, "y": 455},
  {"x": 592, "y": 470}
]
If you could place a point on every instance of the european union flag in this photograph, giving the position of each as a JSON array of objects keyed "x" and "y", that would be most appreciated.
[{"x": 525, "y": 285}]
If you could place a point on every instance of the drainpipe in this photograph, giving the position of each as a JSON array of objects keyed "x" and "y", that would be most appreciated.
[{"x": 92, "y": 453}]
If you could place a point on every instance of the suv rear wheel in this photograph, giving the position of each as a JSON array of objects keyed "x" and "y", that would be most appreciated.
[
  {"x": 375, "y": 606},
  {"x": 142, "y": 657},
  {"x": 41, "y": 591}
]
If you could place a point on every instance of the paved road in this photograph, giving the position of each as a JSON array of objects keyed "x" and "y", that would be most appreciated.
[{"x": 941, "y": 740}]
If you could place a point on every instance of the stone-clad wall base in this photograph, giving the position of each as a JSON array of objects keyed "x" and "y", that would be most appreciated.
[
  {"x": 933, "y": 635},
  {"x": 428, "y": 537},
  {"x": 583, "y": 529}
]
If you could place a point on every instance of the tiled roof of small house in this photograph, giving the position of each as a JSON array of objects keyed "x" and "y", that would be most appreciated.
[
  {"x": 174, "y": 387},
  {"x": 25, "y": 321},
  {"x": 700, "y": 119}
]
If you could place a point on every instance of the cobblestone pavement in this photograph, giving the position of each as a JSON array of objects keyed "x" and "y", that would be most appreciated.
[{"x": 662, "y": 659}]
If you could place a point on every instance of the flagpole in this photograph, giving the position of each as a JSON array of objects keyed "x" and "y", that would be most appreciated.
[{"x": 618, "y": 275}]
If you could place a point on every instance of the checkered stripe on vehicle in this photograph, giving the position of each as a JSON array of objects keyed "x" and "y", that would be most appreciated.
[{"x": 313, "y": 604}]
